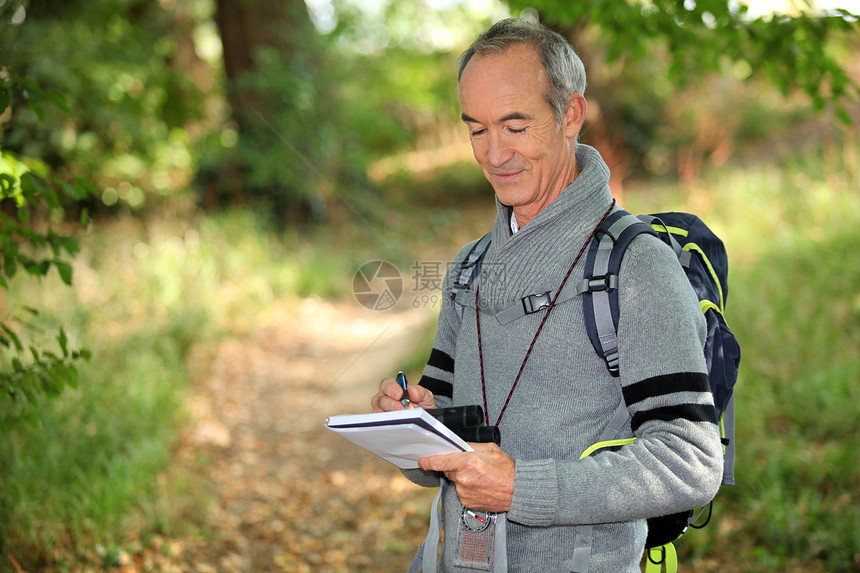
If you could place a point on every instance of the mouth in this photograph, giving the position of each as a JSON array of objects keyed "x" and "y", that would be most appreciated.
[{"x": 507, "y": 177}]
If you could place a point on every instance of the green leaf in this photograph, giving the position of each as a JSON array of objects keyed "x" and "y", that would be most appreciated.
[
  {"x": 63, "y": 340},
  {"x": 37, "y": 108},
  {"x": 69, "y": 244},
  {"x": 53, "y": 242},
  {"x": 35, "y": 268},
  {"x": 36, "y": 185},
  {"x": 75, "y": 192},
  {"x": 50, "y": 382},
  {"x": 23, "y": 214},
  {"x": 14, "y": 338},
  {"x": 72, "y": 376},
  {"x": 5, "y": 95},
  {"x": 59, "y": 101},
  {"x": 7, "y": 184},
  {"x": 60, "y": 243},
  {"x": 65, "y": 270},
  {"x": 28, "y": 395},
  {"x": 86, "y": 187},
  {"x": 34, "y": 95},
  {"x": 10, "y": 265}
]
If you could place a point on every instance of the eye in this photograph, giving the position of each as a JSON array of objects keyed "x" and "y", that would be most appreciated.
[
  {"x": 517, "y": 130},
  {"x": 477, "y": 132}
]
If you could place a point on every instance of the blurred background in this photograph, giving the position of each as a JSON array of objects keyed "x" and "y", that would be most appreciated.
[{"x": 190, "y": 186}]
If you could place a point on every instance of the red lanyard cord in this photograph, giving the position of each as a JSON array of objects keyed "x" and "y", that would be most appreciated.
[{"x": 540, "y": 328}]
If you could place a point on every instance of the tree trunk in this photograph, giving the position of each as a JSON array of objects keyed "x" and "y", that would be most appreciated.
[{"x": 247, "y": 26}]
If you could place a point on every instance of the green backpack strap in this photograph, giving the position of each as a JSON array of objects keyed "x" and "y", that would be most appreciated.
[{"x": 661, "y": 559}]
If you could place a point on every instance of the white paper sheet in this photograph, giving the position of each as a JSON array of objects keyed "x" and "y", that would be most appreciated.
[{"x": 400, "y": 437}]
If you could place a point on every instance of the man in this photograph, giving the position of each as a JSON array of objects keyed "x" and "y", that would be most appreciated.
[{"x": 533, "y": 504}]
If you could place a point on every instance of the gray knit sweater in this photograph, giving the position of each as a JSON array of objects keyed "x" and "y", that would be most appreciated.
[{"x": 566, "y": 396}]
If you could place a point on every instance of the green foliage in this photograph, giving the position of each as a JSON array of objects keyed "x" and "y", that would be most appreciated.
[
  {"x": 295, "y": 154},
  {"x": 85, "y": 476},
  {"x": 680, "y": 84},
  {"x": 29, "y": 370},
  {"x": 115, "y": 64},
  {"x": 73, "y": 484},
  {"x": 791, "y": 228},
  {"x": 702, "y": 34},
  {"x": 151, "y": 297},
  {"x": 33, "y": 368},
  {"x": 364, "y": 89},
  {"x": 800, "y": 382}
]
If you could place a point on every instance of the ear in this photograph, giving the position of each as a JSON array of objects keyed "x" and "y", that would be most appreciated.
[{"x": 574, "y": 114}]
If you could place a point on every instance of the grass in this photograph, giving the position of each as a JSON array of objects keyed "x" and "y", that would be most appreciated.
[
  {"x": 148, "y": 292},
  {"x": 88, "y": 477},
  {"x": 792, "y": 231}
]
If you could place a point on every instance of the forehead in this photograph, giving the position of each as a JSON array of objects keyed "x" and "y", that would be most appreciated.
[{"x": 497, "y": 83}]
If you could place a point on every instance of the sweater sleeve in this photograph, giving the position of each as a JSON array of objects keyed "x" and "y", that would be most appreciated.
[{"x": 675, "y": 463}]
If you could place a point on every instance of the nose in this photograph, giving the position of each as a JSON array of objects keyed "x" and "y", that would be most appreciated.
[{"x": 499, "y": 151}]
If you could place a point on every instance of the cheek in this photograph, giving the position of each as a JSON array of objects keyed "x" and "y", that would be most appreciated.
[
  {"x": 541, "y": 146},
  {"x": 544, "y": 140},
  {"x": 478, "y": 151}
]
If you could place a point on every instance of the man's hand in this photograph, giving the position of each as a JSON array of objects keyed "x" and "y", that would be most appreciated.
[
  {"x": 388, "y": 397},
  {"x": 484, "y": 478}
]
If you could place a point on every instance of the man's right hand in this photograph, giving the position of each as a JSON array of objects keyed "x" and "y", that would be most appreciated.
[{"x": 390, "y": 392}]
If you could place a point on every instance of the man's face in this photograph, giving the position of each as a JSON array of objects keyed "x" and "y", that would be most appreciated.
[{"x": 514, "y": 134}]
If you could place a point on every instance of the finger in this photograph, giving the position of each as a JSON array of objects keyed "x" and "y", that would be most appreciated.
[
  {"x": 444, "y": 463},
  {"x": 376, "y": 403},
  {"x": 388, "y": 386},
  {"x": 388, "y": 397},
  {"x": 485, "y": 447},
  {"x": 420, "y": 396},
  {"x": 387, "y": 404}
]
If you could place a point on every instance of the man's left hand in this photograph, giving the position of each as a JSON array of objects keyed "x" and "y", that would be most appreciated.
[{"x": 484, "y": 478}]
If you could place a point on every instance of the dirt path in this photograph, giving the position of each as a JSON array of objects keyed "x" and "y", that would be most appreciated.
[{"x": 289, "y": 495}]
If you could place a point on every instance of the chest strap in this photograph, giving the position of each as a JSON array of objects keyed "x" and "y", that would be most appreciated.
[
  {"x": 426, "y": 558},
  {"x": 584, "y": 541},
  {"x": 508, "y": 313}
]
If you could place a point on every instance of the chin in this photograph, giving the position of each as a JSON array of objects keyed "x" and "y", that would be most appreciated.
[{"x": 509, "y": 197}]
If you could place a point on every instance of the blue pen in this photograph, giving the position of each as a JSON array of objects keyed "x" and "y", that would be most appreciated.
[{"x": 401, "y": 379}]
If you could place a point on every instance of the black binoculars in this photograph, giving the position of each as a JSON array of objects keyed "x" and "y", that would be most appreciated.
[{"x": 468, "y": 423}]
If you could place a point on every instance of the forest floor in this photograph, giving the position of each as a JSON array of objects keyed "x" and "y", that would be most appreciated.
[{"x": 281, "y": 492}]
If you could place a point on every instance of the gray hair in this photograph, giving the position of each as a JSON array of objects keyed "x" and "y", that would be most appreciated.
[{"x": 562, "y": 65}]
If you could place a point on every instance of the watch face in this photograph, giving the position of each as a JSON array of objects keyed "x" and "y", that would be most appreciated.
[{"x": 476, "y": 520}]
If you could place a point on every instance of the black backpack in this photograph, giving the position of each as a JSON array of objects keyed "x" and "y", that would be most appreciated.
[{"x": 703, "y": 256}]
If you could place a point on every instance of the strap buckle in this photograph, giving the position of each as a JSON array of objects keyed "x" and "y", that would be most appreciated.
[
  {"x": 599, "y": 283},
  {"x": 612, "y": 363},
  {"x": 537, "y": 302},
  {"x": 457, "y": 289}
]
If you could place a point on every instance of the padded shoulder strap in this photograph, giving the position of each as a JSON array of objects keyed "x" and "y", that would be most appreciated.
[
  {"x": 599, "y": 285},
  {"x": 469, "y": 270}
]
